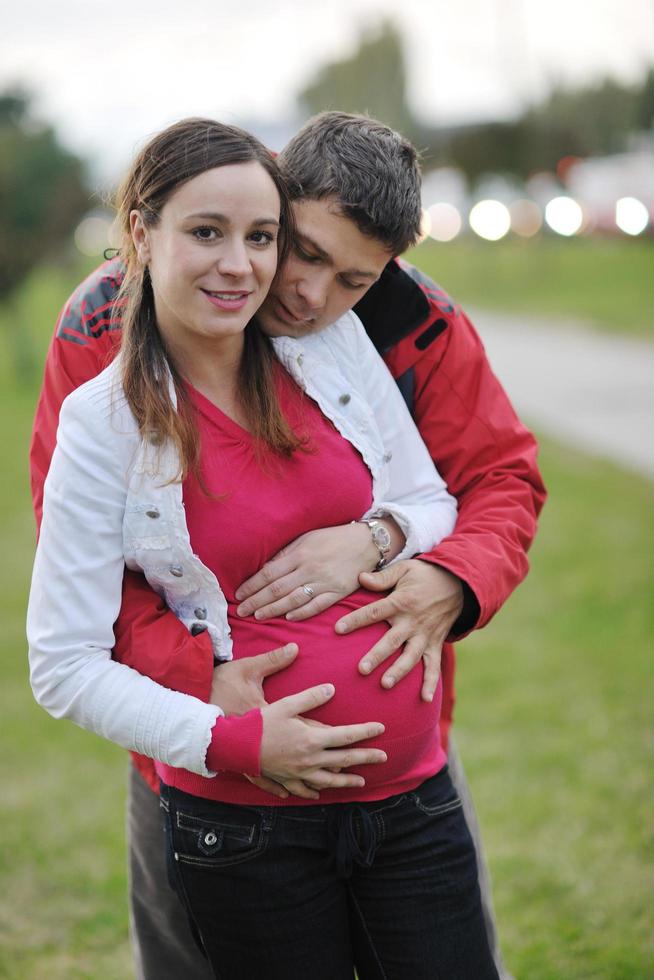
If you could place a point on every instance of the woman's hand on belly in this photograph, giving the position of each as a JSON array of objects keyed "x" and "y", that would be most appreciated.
[
  {"x": 295, "y": 748},
  {"x": 313, "y": 572},
  {"x": 237, "y": 687}
]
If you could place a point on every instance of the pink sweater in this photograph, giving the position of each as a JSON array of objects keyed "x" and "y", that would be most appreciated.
[{"x": 262, "y": 507}]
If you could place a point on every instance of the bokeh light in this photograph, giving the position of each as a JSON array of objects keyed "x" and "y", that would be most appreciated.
[
  {"x": 425, "y": 226},
  {"x": 564, "y": 216},
  {"x": 92, "y": 235},
  {"x": 526, "y": 217},
  {"x": 445, "y": 221},
  {"x": 631, "y": 215},
  {"x": 490, "y": 220}
]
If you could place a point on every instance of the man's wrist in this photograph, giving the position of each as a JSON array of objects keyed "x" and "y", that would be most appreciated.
[{"x": 469, "y": 615}]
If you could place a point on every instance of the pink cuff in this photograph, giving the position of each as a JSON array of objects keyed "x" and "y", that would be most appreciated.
[{"x": 236, "y": 744}]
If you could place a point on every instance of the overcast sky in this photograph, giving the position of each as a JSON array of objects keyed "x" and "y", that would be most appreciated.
[{"x": 108, "y": 74}]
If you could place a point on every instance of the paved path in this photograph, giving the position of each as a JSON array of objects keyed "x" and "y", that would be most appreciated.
[{"x": 586, "y": 389}]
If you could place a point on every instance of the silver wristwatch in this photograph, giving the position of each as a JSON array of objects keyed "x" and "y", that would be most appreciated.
[{"x": 380, "y": 538}]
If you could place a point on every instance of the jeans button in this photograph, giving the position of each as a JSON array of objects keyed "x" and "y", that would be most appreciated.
[
  {"x": 152, "y": 512},
  {"x": 176, "y": 570},
  {"x": 210, "y": 839}
]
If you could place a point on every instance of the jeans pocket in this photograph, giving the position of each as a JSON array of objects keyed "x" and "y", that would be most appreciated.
[
  {"x": 212, "y": 838},
  {"x": 437, "y": 796}
]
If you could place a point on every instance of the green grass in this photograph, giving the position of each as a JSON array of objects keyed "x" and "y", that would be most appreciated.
[
  {"x": 554, "y": 722},
  {"x": 607, "y": 282}
]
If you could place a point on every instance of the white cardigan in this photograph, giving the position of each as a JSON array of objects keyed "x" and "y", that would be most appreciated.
[{"x": 108, "y": 503}]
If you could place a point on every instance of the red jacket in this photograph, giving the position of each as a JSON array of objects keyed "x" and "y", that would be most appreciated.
[{"x": 481, "y": 448}]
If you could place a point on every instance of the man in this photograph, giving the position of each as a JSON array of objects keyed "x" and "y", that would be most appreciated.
[{"x": 356, "y": 187}]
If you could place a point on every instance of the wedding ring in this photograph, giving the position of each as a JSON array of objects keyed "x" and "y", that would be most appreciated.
[{"x": 308, "y": 591}]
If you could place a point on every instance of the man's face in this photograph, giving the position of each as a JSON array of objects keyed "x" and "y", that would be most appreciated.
[{"x": 330, "y": 267}]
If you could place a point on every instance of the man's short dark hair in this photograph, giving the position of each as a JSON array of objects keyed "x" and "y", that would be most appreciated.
[{"x": 372, "y": 171}]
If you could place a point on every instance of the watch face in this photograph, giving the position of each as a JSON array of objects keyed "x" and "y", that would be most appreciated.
[{"x": 381, "y": 537}]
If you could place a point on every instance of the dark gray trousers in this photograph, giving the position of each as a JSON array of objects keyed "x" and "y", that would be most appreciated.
[{"x": 161, "y": 938}]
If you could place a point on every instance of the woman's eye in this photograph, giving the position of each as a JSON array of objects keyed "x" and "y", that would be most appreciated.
[
  {"x": 205, "y": 233},
  {"x": 262, "y": 237}
]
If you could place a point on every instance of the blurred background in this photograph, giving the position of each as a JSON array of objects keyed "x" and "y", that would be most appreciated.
[{"x": 536, "y": 127}]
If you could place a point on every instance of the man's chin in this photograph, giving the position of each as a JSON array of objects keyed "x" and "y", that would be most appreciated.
[{"x": 272, "y": 326}]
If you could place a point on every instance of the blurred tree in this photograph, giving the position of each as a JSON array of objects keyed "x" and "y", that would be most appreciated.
[
  {"x": 645, "y": 110},
  {"x": 371, "y": 81},
  {"x": 43, "y": 193},
  {"x": 591, "y": 121}
]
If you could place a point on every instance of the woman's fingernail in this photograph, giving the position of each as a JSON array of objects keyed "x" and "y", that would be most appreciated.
[
  {"x": 340, "y": 628},
  {"x": 365, "y": 666},
  {"x": 388, "y": 682}
]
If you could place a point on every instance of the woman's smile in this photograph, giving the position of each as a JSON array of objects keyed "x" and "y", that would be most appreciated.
[{"x": 227, "y": 300}]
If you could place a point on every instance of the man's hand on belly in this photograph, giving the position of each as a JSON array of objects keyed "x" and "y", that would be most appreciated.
[
  {"x": 237, "y": 685},
  {"x": 426, "y": 600}
]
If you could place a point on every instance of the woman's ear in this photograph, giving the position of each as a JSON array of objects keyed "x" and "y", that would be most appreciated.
[{"x": 140, "y": 237}]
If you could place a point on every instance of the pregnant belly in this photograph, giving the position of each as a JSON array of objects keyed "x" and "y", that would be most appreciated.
[{"x": 411, "y": 738}]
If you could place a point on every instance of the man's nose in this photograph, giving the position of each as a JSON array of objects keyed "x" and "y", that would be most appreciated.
[{"x": 313, "y": 291}]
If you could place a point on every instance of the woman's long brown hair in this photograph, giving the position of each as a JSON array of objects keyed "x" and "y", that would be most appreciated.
[{"x": 174, "y": 156}]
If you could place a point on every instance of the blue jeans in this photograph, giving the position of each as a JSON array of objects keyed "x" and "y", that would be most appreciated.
[{"x": 311, "y": 892}]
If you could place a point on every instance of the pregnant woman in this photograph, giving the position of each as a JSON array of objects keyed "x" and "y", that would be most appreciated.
[{"x": 194, "y": 458}]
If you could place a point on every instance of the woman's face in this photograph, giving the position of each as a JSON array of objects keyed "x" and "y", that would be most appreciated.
[{"x": 213, "y": 254}]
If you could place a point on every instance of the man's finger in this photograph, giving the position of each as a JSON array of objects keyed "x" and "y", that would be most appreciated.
[
  {"x": 383, "y": 580},
  {"x": 432, "y": 658},
  {"x": 268, "y": 786},
  {"x": 374, "y": 612},
  {"x": 410, "y": 656},
  {"x": 271, "y": 571},
  {"x": 389, "y": 644},
  {"x": 326, "y": 779},
  {"x": 308, "y": 700},
  {"x": 270, "y": 662},
  {"x": 298, "y": 787}
]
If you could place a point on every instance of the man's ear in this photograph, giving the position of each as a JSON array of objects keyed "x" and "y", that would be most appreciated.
[{"x": 140, "y": 237}]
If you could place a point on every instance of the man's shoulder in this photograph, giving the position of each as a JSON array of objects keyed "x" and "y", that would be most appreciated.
[
  {"x": 90, "y": 312},
  {"x": 405, "y": 302}
]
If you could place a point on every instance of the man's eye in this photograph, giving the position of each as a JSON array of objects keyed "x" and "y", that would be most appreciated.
[
  {"x": 353, "y": 285},
  {"x": 305, "y": 256},
  {"x": 205, "y": 233}
]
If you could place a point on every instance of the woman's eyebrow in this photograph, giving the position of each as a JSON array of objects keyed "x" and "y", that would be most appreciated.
[{"x": 225, "y": 219}]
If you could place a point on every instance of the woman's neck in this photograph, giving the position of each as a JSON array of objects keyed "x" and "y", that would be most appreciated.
[{"x": 213, "y": 369}]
